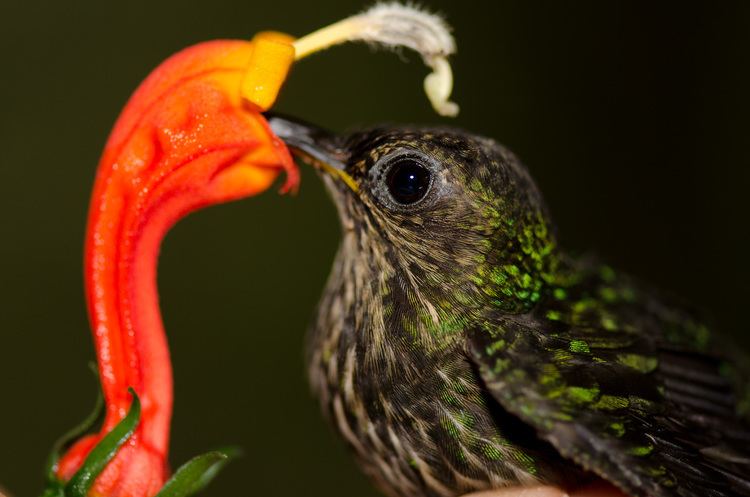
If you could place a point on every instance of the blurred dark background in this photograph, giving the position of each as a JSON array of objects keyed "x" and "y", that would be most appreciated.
[{"x": 632, "y": 116}]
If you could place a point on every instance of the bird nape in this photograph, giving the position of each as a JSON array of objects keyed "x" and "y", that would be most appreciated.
[{"x": 457, "y": 347}]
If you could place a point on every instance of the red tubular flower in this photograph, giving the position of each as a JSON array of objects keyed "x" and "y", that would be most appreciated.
[{"x": 188, "y": 138}]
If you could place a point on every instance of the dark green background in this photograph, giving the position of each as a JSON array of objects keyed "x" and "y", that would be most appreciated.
[{"x": 633, "y": 117}]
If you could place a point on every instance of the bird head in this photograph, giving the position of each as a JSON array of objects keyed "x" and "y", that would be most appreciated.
[{"x": 437, "y": 208}]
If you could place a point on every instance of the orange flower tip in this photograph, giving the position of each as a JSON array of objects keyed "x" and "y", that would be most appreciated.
[{"x": 271, "y": 58}]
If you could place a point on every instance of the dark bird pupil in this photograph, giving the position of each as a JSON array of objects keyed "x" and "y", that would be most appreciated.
[{"x": 408, "y": 181}]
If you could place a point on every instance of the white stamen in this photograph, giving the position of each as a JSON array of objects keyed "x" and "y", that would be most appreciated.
[{"x": 395, "y": 25}]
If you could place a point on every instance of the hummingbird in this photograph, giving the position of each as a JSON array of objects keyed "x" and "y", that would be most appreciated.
[{"x": 457, "y": 347}]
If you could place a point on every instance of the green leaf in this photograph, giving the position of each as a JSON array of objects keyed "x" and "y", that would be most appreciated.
[
  {"x": 75, "y": 433},
  {"x": 104, "y": 451},
  {"x": 195, "y": 474}
]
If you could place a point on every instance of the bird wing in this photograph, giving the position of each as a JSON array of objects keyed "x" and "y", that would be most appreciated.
[{"x": 622, "y": 384}]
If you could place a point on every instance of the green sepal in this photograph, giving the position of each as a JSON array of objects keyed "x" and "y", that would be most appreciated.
[
  {"x": 198, "y": 472},
  {"x": 104, "y": 451},
  {"x": 75, "y": 433}
]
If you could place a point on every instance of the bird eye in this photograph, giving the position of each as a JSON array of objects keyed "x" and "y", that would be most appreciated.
[{"x": 408, "y": 181}]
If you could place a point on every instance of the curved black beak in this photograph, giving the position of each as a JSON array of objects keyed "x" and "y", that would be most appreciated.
[{"x": 312, "y": 143}]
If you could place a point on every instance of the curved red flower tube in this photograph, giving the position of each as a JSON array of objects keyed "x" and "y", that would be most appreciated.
[{"x": 188, "y": 138}]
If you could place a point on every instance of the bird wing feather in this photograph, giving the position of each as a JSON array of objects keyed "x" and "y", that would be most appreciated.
[{"x": 624, "y": 385}]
